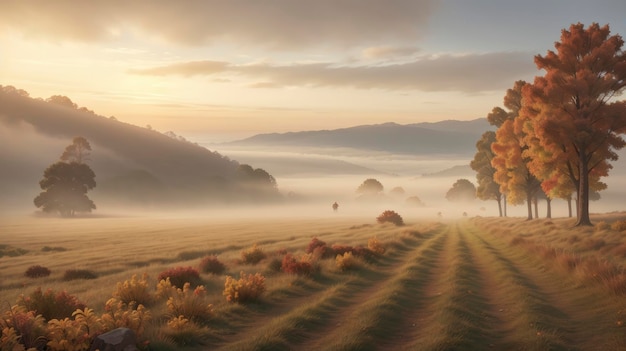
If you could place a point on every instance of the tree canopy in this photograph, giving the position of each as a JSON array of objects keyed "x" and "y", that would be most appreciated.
[
  {"x": 573, "y": 123},
  {"x": 462, "y": 191},
  {"x": 370, "y": 186},
  {"x": 510, "y": 162},
  {"x": 487, "y": 188},
  {"x": 65, "y": 183}
]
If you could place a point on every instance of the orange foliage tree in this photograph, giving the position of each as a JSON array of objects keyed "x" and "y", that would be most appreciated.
[
  {"x": 510, "y": 160},
  {"x": 573, "y": 123}
]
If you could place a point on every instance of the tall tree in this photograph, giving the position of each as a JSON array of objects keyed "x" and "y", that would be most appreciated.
[
  {"x": 65, "y": 188},
  {"x": 572, "y": 108},
  {"x": 510, "y": 162},
  {"x": 462, "y": 191},
  {"x": 77, "y": 152},
  {"x": 487, "y": 188},
  {"x": 65, "y": 183}
]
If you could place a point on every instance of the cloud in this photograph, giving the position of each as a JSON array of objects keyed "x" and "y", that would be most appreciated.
[
  {"x": 385, "y": 52},
  {"x": 470, "y": 73},
  {"x": 184, "y": 68},
  {"x": 281, "y": 24}
]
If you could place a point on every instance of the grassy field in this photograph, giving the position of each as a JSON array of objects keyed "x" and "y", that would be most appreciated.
[{"x": 468, "y": 284}]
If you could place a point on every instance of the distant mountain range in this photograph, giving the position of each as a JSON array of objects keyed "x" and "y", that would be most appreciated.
[{"x": 451, "y": 138}]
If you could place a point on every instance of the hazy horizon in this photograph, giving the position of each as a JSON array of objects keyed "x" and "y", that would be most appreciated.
[{"x": 229, "y": 70}]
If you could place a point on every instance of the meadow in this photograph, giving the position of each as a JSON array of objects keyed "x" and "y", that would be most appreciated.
[{"x": 458, "y": 284}]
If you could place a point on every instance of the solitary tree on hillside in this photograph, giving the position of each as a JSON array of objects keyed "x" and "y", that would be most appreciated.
[
  {"x": 65, "y": 186},
  {"x": 462, "y": 191},
  {"x": 573, "y": 113}
]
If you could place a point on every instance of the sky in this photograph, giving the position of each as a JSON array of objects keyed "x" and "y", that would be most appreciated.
[{"x": 223, "y": 70}]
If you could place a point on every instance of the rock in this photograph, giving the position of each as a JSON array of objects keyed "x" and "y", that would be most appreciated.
[{"x": 120, "y": 339}]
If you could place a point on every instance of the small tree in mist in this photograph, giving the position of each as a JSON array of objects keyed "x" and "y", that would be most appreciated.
[
  {"x": 370, "y": 186},
  {"x": 462, "y": 191},
  {"x": 65, "y": 184}
]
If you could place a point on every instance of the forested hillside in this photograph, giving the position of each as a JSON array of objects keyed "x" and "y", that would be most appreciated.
[{"x": 131, "y": 163}]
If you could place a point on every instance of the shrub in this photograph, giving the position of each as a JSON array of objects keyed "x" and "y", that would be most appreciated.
[
  {"x": 8, "y": 250},
  {"x": 619, "y": 226},
  {"x": 211, "y": 264},
  {"x": 291, "y": 265},
  {"x": 319, "y": 249},
  {"x": 118, "y": 314},
  {"x": 191, "y": 304},
  {"x": 27, "y": 326},
  {"x": 74, "y": 274},
  {"x": 391, "y": 217},
  {"x": 602, "y": 225},
  {"x": 165, "y": 289},
  {"x": 51, "y": 304},
  {"x": 358, "y": 251},
  {"x": 375, "y": 246},
  {"x": 275, "y": 265},
  {"x": 180, "y": 275},
  {"x": 53, "y": 248},
  {"x": 246, "y": 289},
  {"x": 76, "y": 334},
  {"x": 253, "y": 255},
  {"x": 134, "y": 290},
  {"x": 183, "y": 332},
  {"x": 37, "y": 271},
  {"x": 347, "y": 261}
]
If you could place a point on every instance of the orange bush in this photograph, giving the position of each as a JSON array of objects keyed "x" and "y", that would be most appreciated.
[
  {"x": 247, "y": 288},
  {"x": 291, "y": 265},
  {"x": 181, "y": 275},
  {"x": 390, "y": 217}
]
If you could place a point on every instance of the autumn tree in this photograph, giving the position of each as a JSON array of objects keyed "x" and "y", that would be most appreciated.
[
  {"x": 65, "y": 185},
  {"x": 510, "y": 161},
  {"x": 573, "y": 115},
  {"x": 487, "y": 188},
  {"x": 462, "y": 191}
]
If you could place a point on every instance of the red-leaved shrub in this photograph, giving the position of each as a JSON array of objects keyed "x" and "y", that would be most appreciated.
[
  {"x": 211, "y": 264},
  {"x": 181, "y": 275},
  {"x": 37, "y": 271},
  {"x": 51, "y": 304},
  {"x": 301, "y": 266},
  {"x": 391, "y": 217}
]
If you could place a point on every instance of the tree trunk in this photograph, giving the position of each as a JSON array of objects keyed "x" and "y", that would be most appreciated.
[
  {"x": 499, "y": 200},
  {"x": 529, "y": 202},
  {"x": 583, "y": 191},
  {"x": 504, "y": 204},
  {"x": 549, "y": 208},
  {"x": 569, "y": 207},
  {"x": 536, "y": 205}
]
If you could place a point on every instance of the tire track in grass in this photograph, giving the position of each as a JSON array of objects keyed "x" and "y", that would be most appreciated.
[
  {"x": 595, "y": 317},
  {"x": 292, "y": 322},
  {"x": 535, "y": 322},
  {"x": 420, "y": 292},
  {"x": 380, "y": 315},
  {"x": 468, "y": 315}
]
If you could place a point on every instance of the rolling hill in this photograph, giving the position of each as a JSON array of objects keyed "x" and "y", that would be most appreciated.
[
  {"x": 131, "y": 163},
  {"x": 446, "y": 138}
]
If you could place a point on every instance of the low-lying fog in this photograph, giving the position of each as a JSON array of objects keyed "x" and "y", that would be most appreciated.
[{"x": 310, "y": 180}]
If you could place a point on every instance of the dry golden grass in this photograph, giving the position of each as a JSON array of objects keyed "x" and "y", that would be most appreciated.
[{"x": 505, "y": 283}]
